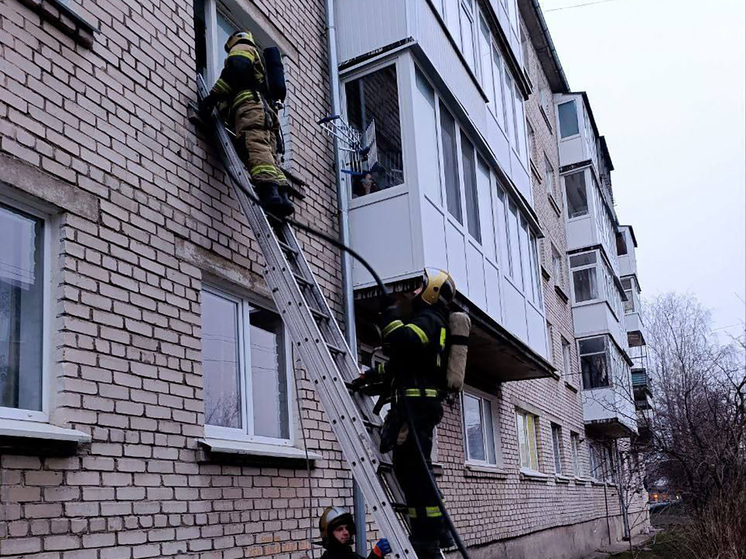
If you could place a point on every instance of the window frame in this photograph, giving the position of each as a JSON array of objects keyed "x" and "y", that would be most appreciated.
[
  {"x": 522, "y": 433},
  {"x": 607, "y": 356},
  {"x": 246, "y": 433},
  {"x": 557, "y": 448},
  {"x": 575, "y": 449},
  {"x": 48, "y": 224},
  {"x": 494, "y": 406},
  {"x": 566, "y": 356}
]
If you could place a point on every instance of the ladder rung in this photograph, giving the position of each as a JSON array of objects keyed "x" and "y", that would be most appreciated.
[
  {"x": 318, "y": 314},
  {"x": 301, "y": 280},
  {"x": 287, "y": 248},
  {"x": 335, "y": 349}
]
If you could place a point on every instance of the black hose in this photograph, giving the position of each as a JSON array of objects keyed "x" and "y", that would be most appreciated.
[
  {"x": 459, "y": 544},
  {"x": 307, "y": 228}
]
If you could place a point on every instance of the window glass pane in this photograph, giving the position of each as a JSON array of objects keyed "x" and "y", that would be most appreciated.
[
  {"x": 489, "y": 432},
  {"x": 497, "y": 76},
  {"x": 473, "y": 425},
  {"x": 224, "y": 30},
  {"x": 467, "y": 37},
  {"x": 520, "y": 123},
  {"x": 484, "y": 207},
  {"x": 500, "y": 228},
  {"x": 470, "y": 187},
  {"x": 21, "y": 310},
  {"x": 521, "y": 426},
  {"x": 584, "y": 282},
  {"x": 566, "y": 356},
  {"x": 269, "y": 375},
  {"x": 577, "y": 199},
  {"x": 526, "y": 259},
  {"x": 220, "y": 361},
  {"x": 450, "y": 166},
  {"x": 595, "y": 370},
  {"x": 531, "y": 439},
  {"x": 621, "y": 244},
  {"x": 427, "y": 139},
  {"x": 557, "y": 444},
  {"x": 582, "y": 259},
  {"x": 373, "y": 109},
  {"x": 568, "y": 118},
  {"x": 549, "y": 176},
  {"x": 535, "y": 268},
  {"x": 509, "y": 107},
  {"x": 592, "y": 345},
  {"x": 485, "y": 61},
  {"x": 574, "y": 440},
  {"x": 515, "y": 249}
]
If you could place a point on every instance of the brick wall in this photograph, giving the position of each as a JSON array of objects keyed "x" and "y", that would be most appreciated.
[{"x": 143, "y": 214}]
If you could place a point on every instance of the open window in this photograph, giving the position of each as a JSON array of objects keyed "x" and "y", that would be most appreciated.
[
  {"x": 594, "y": 362},
  {"x": 373, "y": 110},
  {"x": 577, "y": 195}
]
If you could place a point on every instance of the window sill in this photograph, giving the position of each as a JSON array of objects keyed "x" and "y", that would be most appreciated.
[
  {"x": 559, "y": 478},
  {"x": 554, "y": 204},
  {"x": 546, "y": 118},
  {"x": 561, "y": 294},
  {"x": 224, "y": 450},
  {"x": 533, "y": 475},
  {"x": 484, "y": 471},
  {"x": 34, "y": 438},
  {"x": 65, "y": 19}
]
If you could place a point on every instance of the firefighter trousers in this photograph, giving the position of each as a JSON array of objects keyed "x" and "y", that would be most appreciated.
[
  {"x": 257, "y": 129},
  {"x": 424, "y": 514}
]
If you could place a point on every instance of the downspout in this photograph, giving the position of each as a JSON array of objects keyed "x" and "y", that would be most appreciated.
[{"x": 344, "y": 236}]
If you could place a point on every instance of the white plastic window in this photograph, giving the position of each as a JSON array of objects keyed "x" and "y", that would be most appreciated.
[
  {"x": 479, "y": 428},
  {"x": 526, "y": 425},
  {"x": 246, "y": 371},
  {"x": 23, "y": 300}
]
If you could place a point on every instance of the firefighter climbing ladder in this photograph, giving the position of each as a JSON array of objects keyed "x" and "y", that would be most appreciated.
[{"x": 323, "y": 349}]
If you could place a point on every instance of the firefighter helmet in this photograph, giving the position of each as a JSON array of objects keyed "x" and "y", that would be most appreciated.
[
  {"x": 331, "y": 519},
  {"x": 239, "y": 37},
  {"x": 437, "y": 286}
]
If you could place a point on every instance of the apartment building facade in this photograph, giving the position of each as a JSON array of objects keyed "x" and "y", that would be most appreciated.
[
  {"x": 151, "y": 402},
  {"x": 151, "y": 405}
]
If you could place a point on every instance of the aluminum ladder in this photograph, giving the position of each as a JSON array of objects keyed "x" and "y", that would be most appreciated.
[{"x": 323, "y": 349}]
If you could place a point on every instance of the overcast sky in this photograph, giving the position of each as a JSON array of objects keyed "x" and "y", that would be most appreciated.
[{"x": 665, "y": 79}]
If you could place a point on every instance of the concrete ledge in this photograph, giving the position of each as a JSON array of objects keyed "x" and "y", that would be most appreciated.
[
  {"x": 31, "y": 438},
  {"x": 60, "y": 194},
  {"x": 531, "y": 475},
  {"x": 245, "y": 448}
]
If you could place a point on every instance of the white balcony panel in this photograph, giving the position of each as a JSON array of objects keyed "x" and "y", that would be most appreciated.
[
  {"x": 608, "y": 404},
  {"x": 515, "y": 311},
  {"x": 498, "y": 141},
  {"x": 364, "y": 26},
  {"x": 475, "y": 270},
  {"x": 571, "y": 150},
  {"x": 492, "y": 281},
  {"x": 581, "y": 233},
  {"x": 382, "y": 223},
  {"x": 520, "y": 176},
  {"x": 628, "y": 263},
  {"x": 597, "y": 318},
  {"x": 537, "y": 330},
  {"x": 633, "y": 323},
  {"x": 456, "y": 251},
  {"x": 434, "y": 238}
]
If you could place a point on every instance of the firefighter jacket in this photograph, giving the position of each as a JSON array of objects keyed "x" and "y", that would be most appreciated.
[
  {"x": 243, "y": 77},
  {"x": 416, "y": 351}
]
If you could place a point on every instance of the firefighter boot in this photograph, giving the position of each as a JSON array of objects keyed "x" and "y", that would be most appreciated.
[
  {"x": 287, "y": 205},
  {"x": 270, "y": 199},
  {"x": 446, "y": 539}
]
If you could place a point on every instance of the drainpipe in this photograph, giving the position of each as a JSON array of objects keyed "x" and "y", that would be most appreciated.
[{"x": 344, "y": 236}]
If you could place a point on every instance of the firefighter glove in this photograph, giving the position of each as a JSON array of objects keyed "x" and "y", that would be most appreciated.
[{"x": 382, "y": 547}]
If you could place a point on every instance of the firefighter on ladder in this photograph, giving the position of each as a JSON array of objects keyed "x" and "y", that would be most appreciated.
[
  {"x": 416, "y": 377},
  {"x": 337, "y": 536},
  {"x": 244, "y": 88}
]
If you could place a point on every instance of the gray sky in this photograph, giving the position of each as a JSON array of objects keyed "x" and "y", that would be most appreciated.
[{"x": 666, "y": 82}]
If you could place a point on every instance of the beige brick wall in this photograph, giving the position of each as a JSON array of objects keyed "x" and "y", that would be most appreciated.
[{"x": 143, "y": 213}]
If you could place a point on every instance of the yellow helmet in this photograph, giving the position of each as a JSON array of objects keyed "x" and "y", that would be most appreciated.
[
  {"x": 332, "y": 518},
  {"x": 239, "y": 37},
  {"x": 437, "y": 285}
]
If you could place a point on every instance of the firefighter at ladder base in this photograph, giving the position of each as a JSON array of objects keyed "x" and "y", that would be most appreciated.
[
  {"x": 337, "y": 536},
  {"x": 245, "y": 90},
  {"x": 416, "y": 378}
]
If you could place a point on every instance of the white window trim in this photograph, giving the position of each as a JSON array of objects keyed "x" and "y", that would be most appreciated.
[
  {"x": 42, "y": 416},
  {"x": 245, "y": 435},
  {"x": 476, "y": 393}
]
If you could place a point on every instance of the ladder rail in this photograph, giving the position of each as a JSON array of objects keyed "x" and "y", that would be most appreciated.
[{"x": 326, "y": 375}]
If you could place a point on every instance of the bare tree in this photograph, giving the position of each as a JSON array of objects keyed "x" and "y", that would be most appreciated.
[{"x": 698, "y": 430}]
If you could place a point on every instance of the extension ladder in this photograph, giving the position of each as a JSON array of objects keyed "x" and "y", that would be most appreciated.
[{"x": 323, "y": 348}]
